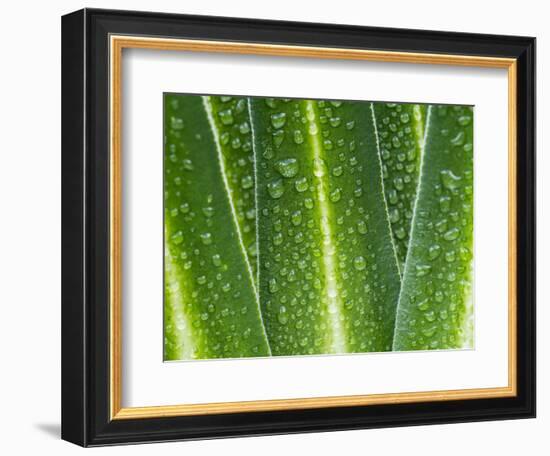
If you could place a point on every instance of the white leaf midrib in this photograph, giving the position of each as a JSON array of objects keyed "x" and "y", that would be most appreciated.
[{"x": 338, "y": 341}]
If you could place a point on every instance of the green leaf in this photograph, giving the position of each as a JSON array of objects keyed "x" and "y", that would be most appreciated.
[
  {"x": 328, "y": 274},
  {"x": 231, "y": 119},
  {"x": 435, "y": 303},
  {"x": 211, "y": 308},
  {"x": 400, "y": 130}
]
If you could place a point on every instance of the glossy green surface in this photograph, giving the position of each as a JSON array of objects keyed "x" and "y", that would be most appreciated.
[
  {"x": 435, "y": 300},
  {"x": 328, "y": 275},
  {"x": 211, "y": 308}
]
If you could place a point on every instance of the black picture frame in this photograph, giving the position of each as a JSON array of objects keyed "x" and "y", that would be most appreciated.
[{"x": 85, "y": 228}]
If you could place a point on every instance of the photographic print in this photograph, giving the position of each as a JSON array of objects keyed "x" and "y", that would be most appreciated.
[{"x": 315, "y": 227}]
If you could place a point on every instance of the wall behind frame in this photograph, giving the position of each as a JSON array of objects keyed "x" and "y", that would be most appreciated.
[{"x": 30, "y": 232}]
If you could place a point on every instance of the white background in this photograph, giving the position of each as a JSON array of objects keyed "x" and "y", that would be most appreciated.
[
  {"x": 148, "y": 73},
  {"x": 30, "y": 232}
]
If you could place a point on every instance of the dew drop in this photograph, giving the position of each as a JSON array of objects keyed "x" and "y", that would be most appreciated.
[
  {"x": 247, "y": 182},
  {"x": 449, "y": 180},
  {"x": 301, "y": 184},
  {"x": 394, "y": 215},
  {"x": 299, "y": 238},
  {"x": 458, "y": 140},
  {"x": 287, "y": 167},
  {"x": 335, "y": 121},
  {"x": 335, "y": 195},
  {"x": 273, "y": 286},
  {"x": 359, "y": 263},
  {"x": 177, "y": 238},
  {"x": 271, "y": 103},
  {"x": 392, "y": 196},
  {"x": 398, "y": 183},
  {"x": 278, "y": 137},
  {"x": 244, "y": 128},
  {"x": 276, "y": 188},
  {"x": 278, "y": 120},
  {"x": 400, "y": 233},
  {"x": 176, "y": 123},
  {"x": 424, "y": 304},
  {"x": 206, "y": 238},
  {"x": 226, "y": 117},
  {"x": 452, "y": 234},
  {"x": 216, "y": 260},
  {"x": 465, "y": 253},
  {"x": 277, "y": 239},
  {"x": 298, "y": 137},
  {"x": 188, "y": 165},
  {"x": 441, "y": 226},
  {"x": 430, "y": 316},
  {"x": 236, "y": 143},
  {"x": 434, "y": 251},
  {"x": 395, "y": 142},
  {"x": 464, "y": 120},
  {"x": 208, "y": 211},
  {"x": 252, "y": 249},
  {"x": 422, "y": 270},
  {"x": 429, "y": 332},
  {"x": 450, "y": 256},
  {"x": 241, "y": 105},
  {"x": 296, "y": 218},
  {"x": 445, "y": 203},
  {"x": 282, "y": 316}
]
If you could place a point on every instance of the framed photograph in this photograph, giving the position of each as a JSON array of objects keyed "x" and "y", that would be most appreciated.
[{"x": 278, "y": 227}]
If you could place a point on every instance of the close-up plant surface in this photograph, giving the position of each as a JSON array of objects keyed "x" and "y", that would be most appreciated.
[{"x": 298, "y": 227}]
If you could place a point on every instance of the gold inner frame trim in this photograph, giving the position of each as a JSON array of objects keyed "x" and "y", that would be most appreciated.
[{"x": 117, "y": 44}]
